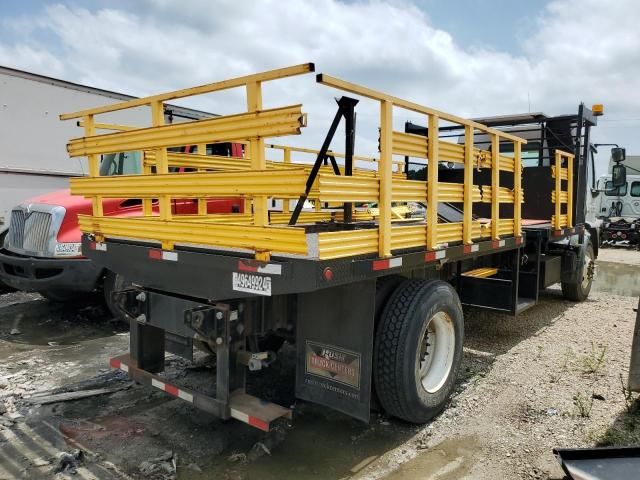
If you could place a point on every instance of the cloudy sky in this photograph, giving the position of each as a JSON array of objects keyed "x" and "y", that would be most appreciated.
[{"x": 469, "y": 57}]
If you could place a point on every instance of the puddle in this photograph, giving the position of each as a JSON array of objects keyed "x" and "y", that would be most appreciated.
[
  {"x": 42, "y": 323},
  {"x": 449, "y": 460},
  {"x": 617, "y": 278},
  {"x": 321, "y": 445}
]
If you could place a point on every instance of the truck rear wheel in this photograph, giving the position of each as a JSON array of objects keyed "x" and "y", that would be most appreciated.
[
  {"x": 418, "y": 349},
  {"x": 579, "y": 291}
]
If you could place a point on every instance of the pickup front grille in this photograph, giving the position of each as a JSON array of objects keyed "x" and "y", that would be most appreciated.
[{"x": 30, "y": 231}]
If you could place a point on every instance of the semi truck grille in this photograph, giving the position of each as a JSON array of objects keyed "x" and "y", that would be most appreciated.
[{"x": 29, "y": 231}]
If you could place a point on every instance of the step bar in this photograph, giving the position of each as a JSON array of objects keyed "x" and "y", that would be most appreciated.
[{"x": 242, "y": 406}]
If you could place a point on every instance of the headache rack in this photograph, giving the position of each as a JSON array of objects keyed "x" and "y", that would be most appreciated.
[{"x": 360, "y": 205}]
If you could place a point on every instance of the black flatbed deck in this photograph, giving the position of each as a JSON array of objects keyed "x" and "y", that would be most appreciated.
[{"x": 208, "y": 273}]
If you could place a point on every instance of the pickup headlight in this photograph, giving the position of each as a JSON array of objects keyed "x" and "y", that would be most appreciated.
[{"x": 68, "y": 250}]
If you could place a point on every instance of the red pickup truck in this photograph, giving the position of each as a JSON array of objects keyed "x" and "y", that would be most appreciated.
[{"x": 41, "y": 250}]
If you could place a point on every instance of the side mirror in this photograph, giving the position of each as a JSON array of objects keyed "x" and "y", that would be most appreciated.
[
  {"x": 618, "y": 175},
  {"x": 618, "y": 154}
]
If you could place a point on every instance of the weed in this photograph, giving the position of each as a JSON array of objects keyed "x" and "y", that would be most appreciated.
[
  {"x": 595, "y": 360},
  {"x": 628, "y": 396},
  {"x": 555, "y": 377},
  {"x": 583, "y": 404}
]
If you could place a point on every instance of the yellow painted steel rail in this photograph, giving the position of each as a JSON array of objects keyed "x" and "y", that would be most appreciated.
[
  {"x": 380, "y": 192},
  {"x": 559, "y": 196}
]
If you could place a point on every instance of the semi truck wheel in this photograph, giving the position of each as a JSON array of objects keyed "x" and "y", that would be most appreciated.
[
  {"x": 578, "y": 292},
  {"x": 418, "y": 349},
  {"x": 385, "y": 286}
]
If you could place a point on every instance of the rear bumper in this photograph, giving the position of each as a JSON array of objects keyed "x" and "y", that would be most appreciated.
[{"x": 40, "y": 274}]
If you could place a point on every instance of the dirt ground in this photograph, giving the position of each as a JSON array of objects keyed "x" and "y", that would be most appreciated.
[{"x": 552, "y": 377}]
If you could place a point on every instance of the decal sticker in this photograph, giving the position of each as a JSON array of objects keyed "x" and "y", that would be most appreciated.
[
  {"x": 333, "y": 363},
  {"x": 250, "y": 283}
]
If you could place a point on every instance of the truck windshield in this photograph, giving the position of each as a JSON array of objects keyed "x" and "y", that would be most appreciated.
[
  {"x": 530, "y": 154},
  {"x": 611, "y": 191},
  {"x": 123, "y": 163}
]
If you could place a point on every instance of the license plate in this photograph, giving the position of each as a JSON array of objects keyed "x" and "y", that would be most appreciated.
[{"x": 250, "y": 283}]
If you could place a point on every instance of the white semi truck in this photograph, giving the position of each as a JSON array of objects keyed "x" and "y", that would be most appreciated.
[{"x": 619, "y": 207}]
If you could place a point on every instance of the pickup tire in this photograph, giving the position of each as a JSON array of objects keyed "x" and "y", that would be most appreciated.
[
  {"x": 418, "y": 349},
  {"x": 579, "y": 291}
]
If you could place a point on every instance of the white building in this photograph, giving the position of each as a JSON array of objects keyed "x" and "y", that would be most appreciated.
[{"x": 33, "y": 158}]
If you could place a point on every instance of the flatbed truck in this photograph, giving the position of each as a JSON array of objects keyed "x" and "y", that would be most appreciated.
[{"x": 370, "y": 282}]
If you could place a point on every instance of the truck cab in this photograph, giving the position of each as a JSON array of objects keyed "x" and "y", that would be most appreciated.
[
  {"x": 619, "y": 209},
  {"x": 623, "y": 201},
  {"x": 41, "y": 250}
]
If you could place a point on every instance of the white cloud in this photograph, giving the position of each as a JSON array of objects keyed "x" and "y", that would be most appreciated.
[{"x": 582, "y": 50}]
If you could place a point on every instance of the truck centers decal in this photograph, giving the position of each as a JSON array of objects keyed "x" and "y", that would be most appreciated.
[{"x": 333, "y": 363}]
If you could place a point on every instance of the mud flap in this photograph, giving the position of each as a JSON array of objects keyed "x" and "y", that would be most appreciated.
[{"x": 335, "y": 347}]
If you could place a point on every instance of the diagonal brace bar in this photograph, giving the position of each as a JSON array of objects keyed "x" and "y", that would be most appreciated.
[{"x": 346, "y": 107}]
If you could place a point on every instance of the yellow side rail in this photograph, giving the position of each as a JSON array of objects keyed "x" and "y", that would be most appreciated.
[
  {"x": 253, "y": 87},
  {"x": 433, "y": 155},
  {"x": 384, "y": 187},
  {"x": 559, "y": 196}
]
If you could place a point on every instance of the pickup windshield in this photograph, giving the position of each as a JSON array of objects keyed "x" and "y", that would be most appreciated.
[{"x": 123, "y": 163}]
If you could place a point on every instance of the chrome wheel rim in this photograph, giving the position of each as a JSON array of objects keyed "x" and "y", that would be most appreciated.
[
  {"x": 435, "y": 352},
  {"x": 587, "y": 270}
]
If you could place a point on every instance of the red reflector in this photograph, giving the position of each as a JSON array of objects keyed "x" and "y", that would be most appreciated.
[
  {"x": 92, "y": 245},
  {"x": 261, "y": 424},
  {"x": 243, "y": 267},
  {"x": 171, "y": 389},
  {"x": 155, "y": 254},
  {"x": 380, "y": 264},
  {"x": 327, "y": 274}
]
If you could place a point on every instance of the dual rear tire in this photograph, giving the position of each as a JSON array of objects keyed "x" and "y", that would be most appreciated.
[
  {"x": 579, "y": 290},
  {"x": 418, "y": 349}
]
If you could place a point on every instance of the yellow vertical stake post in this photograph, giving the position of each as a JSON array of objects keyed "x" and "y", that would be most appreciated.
[
  {"x": 287, "y": 159},
  {"x": 94, "y": 168},
  {"x": 202, "y": 202},
  {"x": 570, "y": 160},
  {"x": 258, "y": 162},
  {"x": 468, "y": 184},
  {"x": 247, "y": 200},
  {"x": 557, "y": 223},
  {"x": 495, "y": 186},
  {"x": 147, "y": 203},
  {"x": 386, "y": 177},
  {"x": 162, "y": 167},
  {"x": 433, "y": 144},
  {"x": 517, "y": 189}
]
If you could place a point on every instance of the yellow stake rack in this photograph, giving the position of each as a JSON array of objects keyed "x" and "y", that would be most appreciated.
[{"x": 380, "y": 191}]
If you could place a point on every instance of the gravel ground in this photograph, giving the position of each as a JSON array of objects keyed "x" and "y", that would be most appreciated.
[{"x": 549, "y": 378}]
